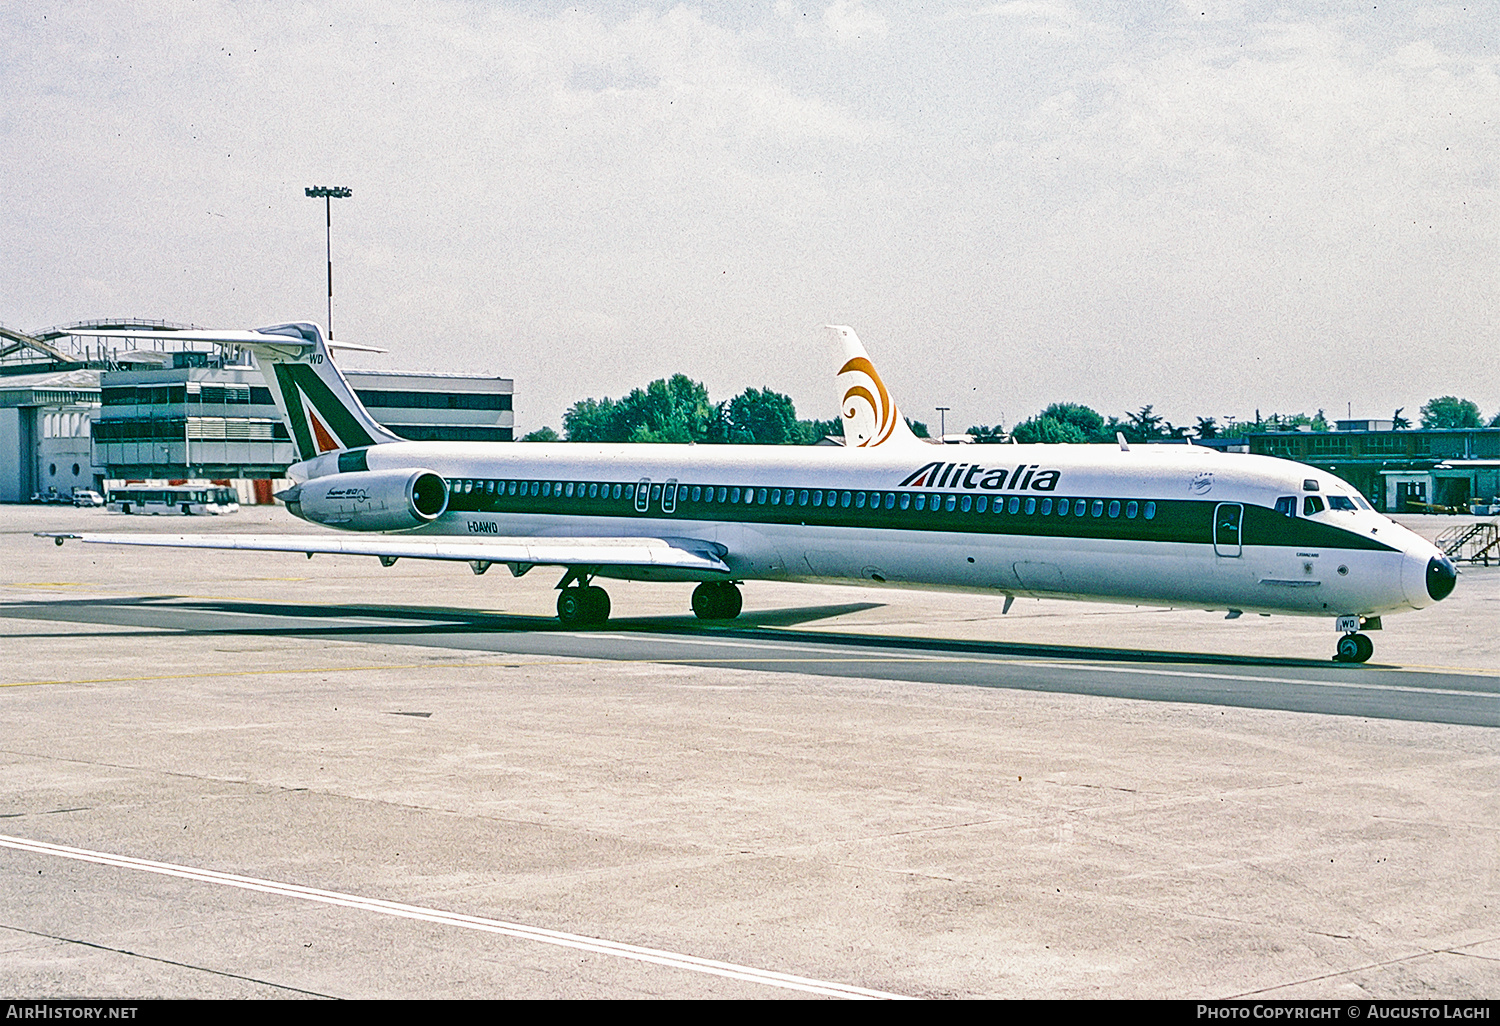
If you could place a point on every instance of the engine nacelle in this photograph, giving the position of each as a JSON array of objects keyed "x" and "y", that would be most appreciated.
[{"x": 371, "y": 500}]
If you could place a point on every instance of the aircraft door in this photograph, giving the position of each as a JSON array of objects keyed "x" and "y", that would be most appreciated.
[
  {"x": 669, "y": 497},
  {"x": 643, "y": 495},
  {"x": 1227, "y": 521}
]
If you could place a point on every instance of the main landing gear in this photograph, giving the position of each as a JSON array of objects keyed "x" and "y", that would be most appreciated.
[
  {"x": 717, "y": 600},
  {"x": 1354, "y": 648},
  {"x": 582, "y": 604},
  {"x": 578, "y": 602}
]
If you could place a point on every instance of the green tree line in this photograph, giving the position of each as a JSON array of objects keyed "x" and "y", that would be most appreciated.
[{"x": 678, "y": 409}]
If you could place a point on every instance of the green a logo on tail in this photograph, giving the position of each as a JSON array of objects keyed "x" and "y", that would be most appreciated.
[{"x": 319, "y": 422}]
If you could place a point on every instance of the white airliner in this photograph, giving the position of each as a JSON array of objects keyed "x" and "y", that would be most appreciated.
[{"x": 1176, "y": 525}]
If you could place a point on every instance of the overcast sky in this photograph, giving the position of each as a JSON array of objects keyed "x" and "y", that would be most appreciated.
[{"x": 1211, "y": 207}]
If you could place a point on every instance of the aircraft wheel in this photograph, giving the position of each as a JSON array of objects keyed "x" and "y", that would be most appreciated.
[
  {"x": 717, "y": 600},
  {"x": 1366, "y": 648},
  {"x": 1354, "y": 648},
  {"x": 572, "y": 607},
  {"x": 597, "y": 603}
]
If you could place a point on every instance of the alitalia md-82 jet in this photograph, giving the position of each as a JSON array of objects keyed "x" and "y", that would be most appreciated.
[{"x": 1176, "y": 525}]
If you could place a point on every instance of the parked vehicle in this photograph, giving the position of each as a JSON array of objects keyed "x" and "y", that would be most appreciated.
[{"x": 192, "y": 500}]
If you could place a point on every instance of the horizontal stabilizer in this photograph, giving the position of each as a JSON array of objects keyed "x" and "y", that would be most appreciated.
[{"x": 657, "y": 553}]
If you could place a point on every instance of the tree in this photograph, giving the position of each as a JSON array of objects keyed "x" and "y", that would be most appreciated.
[
  {"x": 917, "y": 428},
  {"x": 1450, "y": 412},
  {"x": 1047, "y": 431},
  {"x": 667, "y": 410},
  {"x": 811, "y": 432},
  {"x": 985, "y": 435},
  {"x": 541, "y": 434},
  {"x": 761, "y": 417},
  {"x": 1398, "y": 422},
  {"x": 1145, "y": 425},
  {"x": 1208, "y": 427},
  {"x": 1065, "y": 422}
]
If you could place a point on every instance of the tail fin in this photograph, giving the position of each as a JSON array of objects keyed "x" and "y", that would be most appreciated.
[
  {"x": 869, "y": 412},
  {"x": 321, "y": 410}
]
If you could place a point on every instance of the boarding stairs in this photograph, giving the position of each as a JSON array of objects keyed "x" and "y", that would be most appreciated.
[{"x": 1472, "y": 543}]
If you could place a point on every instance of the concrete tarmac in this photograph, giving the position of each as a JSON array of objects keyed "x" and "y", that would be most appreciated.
[{"x": 853, "y": 789}]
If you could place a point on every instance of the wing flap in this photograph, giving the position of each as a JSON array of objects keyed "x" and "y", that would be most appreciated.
[{"x": 673, "y": 553}]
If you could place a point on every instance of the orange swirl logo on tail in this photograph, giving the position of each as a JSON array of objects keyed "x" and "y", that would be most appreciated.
[{"x": 869, "y": 414}]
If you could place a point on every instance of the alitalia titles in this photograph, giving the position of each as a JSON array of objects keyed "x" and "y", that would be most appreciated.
[{"x": 1021, "y": 478}]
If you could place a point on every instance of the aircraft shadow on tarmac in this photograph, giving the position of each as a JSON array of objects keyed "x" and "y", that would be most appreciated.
[
  {"x": 405, "y": 623},
  {"x": 771, "y": 641}
]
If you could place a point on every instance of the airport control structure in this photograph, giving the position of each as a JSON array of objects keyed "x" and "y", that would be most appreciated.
[{"x": 80, "y": 412}]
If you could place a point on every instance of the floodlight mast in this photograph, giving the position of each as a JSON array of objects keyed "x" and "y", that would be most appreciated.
[{"x": 329, "y": 193}]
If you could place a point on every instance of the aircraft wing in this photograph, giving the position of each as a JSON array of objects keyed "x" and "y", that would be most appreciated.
[{"x": 520, "y": 554}]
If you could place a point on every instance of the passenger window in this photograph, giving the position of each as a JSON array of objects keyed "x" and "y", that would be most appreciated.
[
  {"x": 802, "y": 497},
  {"x": 890, "y": 500},
  {"x": 859, "y": 501},
  {"x": 982, "y": 503},
  {"x": 921, "y": 503},
  {"x": 845, "y": 499},
  {"x": 1098, "y": 507},
  {"x": 1150, "y": 511},
  {"x": 1030, "y": 506},
  {"x": 1311, "y": 504},
  {"x": 569, "y": 491},
  {"x": 966, "y": 503},
  {"x": 615, "y": 492},
  {"x": 1114, "y": 508},
  {"x": 1287, "y": 505},
  {"x": 655, "y": 492},
  {"x": 906, "y": 500},
  {"x": 594, "y": 490},
  {"x": 776, "y": 496},
  {"x": 760, "y": 496},
  {"x": 1046, "y": 507},
  {"x": 697, "y": 492},
  {"x": 1014, "y": 505},
  {"x": 734, "y": 495},
  {"x": 1131, "y": 509},
  {"x": 952, "y": 501},
  {"x": 510, "y": 488},
  {"x": 1080, "y": 507}
]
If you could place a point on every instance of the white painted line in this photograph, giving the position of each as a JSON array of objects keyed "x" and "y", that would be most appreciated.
[
  {"x": 594, "y": 945},
  {"x": 1251, "y": 679}
]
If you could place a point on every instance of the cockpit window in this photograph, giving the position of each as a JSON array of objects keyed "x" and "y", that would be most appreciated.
[
  {"x": 1311, "y": 504},
  {"x": 1359, "y": 500},
  {"x": 1287, "y": 505},
  {"x": 1342, "y": 502}
]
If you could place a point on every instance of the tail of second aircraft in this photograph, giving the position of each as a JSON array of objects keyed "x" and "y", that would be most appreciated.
[{"x": 867, "y": 408}]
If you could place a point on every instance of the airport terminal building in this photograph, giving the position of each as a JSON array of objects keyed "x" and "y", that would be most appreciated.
[
  {"x": 85, "y": 413},
  {"x": 1399, "y": 471}
]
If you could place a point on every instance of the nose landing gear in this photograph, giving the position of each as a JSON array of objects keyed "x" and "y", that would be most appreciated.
[
  {"x": 1354, "y": 648},
  {"x": 717, "y": 600}
]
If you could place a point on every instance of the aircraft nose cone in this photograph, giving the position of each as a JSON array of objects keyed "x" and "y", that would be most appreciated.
[{"x": 1441, "y": 576}]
